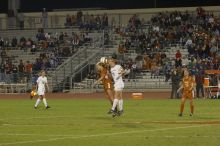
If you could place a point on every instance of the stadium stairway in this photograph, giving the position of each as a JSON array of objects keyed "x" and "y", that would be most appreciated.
[{"x": 70, "y": 67}]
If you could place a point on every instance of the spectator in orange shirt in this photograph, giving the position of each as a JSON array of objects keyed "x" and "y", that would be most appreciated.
[{"x": 28, "y": 70}]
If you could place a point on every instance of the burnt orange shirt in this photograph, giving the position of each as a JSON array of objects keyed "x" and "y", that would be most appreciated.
[
  {"x": 188, "y": 83},
  {"x": 29, "y": 68},
  {"x": 106, "y": 77}
]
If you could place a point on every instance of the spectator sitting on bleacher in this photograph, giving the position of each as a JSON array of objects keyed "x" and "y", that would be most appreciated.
[
  {"x": 178, "y": 54},
  {"x": 2, "y": 72},
  {"x": 21, "y": 72},
  {"x": 14, "y": 42},
  {"x": 75, "y": 40},
  {"x": 1, "y": 42},
  {"x": 37, "y": 65},
  {"x": 79, "y": 16},
  {"x": 40, "y": 35},
  {"x": 87, "y": 38},
  {"x": 8, "y": 73},
  {"x": 15, "y": 73},
  {"x": 98, "y": 22},
  {"x": 28, "y": 70},
  {"x": 22, "y": 42},
  {"x": 91, "y": 75}
]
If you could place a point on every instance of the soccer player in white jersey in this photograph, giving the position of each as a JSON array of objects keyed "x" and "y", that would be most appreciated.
[
  {"x": 41, "y": 87},
  {"x": 117, "y": 72}
]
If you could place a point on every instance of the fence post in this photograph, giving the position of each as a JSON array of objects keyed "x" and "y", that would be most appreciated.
[
  {"x": 71, "y": 82},
  {"x": 71, "y": 66},
  {"x": 81, "y": 75}
]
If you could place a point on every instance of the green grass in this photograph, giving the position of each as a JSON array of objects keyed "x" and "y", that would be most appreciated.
[{"x": 85, "y": 123}]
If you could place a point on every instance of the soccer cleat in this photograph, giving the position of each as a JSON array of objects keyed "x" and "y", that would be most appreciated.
[
  {"x": 114, "y": 115},
  {"x": 190, "y": 114},
  {"x": 111, "y": 111},
  {"x": 180, "y": 115},
  {"x": 119, "y": 113},
  {"x": 47, "y": 107},
  {"x": 35, "y": 107}
]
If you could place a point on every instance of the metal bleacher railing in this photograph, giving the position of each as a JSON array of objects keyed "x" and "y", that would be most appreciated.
[
  {"x": 71, "y": 73},
  {"x": 141, "y": 81},
  {"x": 72, "y": 69}
]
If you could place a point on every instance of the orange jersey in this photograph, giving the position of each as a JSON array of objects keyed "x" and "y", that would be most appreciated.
[
  {"x": 188, "y": 83},
  {"x": 107, "y": 80}
]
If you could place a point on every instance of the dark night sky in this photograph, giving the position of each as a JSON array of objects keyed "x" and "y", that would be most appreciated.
[{"x": 37, "y": 5}]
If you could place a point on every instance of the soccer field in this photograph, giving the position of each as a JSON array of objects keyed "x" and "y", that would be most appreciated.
[{"x": 75, "y": 122}]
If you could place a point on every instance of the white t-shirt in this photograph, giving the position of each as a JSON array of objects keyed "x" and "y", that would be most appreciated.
[
  {"x": 115, "y": 71},
  {"x": 41, "y": 81}
]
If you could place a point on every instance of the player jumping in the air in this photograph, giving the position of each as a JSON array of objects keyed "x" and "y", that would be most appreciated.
[
  {"x": 106, "y": 79},
  {"x": 117, "y": 72}
]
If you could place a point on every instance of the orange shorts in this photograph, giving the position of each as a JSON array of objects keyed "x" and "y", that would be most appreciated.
[
  {"x": 108, "y": 86},
  {"x": 187, "y": 94}
]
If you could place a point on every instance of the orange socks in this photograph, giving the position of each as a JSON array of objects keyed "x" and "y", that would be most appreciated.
[
  {"x": 181, "y": 108},
  {"x": 191, "y": 109}
]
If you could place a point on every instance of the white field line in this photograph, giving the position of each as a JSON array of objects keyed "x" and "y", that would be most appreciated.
[
  {"x": 201, "y": 122},
  {"x": 167, "y": 136},
  {"x": 179, "y": 136},
  {"x": 100, "y": 135}
]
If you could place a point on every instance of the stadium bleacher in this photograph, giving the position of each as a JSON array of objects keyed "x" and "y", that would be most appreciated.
[{"x": 163, "y": 34}]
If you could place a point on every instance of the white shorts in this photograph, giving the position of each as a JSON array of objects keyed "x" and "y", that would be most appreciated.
[
  {"x": 118, "y": 86},
  {"x": 41, "y": 91}
]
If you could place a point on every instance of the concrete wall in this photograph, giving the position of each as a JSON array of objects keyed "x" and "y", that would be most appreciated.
[{"x": 121, "y": 17}]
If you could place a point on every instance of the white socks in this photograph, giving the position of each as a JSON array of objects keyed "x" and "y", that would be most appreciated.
[
  {"x": 37, "y": 102},
  {"x": 120, "y": 104},
  {"x": 115, "y": 102},
  {"x": 45, "y": 102}
]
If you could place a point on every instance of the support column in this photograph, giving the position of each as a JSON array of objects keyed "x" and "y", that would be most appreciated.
[{"x": 13, "y": 6}]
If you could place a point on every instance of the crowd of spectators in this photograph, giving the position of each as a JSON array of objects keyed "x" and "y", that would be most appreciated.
[
  {"x": 198, "y": 32},
  {"x": 87, "y": 21},
  {"x": 50, "y": 49}
]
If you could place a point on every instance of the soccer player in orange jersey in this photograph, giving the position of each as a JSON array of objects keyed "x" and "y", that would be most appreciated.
[
  {"x": 106, "y": 79},
  {"x": 187, "y": 89}
]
